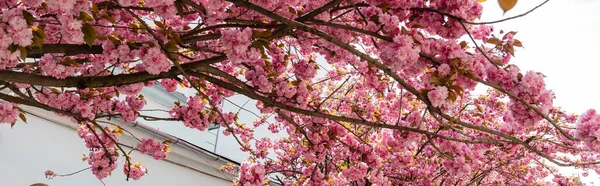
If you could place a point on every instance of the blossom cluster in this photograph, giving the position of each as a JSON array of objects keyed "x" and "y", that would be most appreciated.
[
  {"x": 156, "y": 149},
  {"x": 8, "y": 112},
  {"x": 372, "y": 92},
  {"x": 134, "y": 171},
  {"x": 251, "y": 174}
]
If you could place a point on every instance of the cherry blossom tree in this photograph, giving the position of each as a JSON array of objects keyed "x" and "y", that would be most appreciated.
[{"x": 369, "y": 92}]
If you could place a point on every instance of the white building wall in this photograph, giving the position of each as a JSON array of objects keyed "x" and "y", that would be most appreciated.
[
  {"x": 50, "y": 142},
  {"x": 28, "y": 150}
]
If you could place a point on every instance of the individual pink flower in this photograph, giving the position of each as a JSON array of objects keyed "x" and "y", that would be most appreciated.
[
  {"x": 400, "y": 53},
  {"x": 438, "y": 96},
  {"x": 70, "y": 29},
  {"x": 228, "y": 168},
  {"x": 50, "y": 174},
  {"x": 155, "y": 61},
  {"x": 131, "y": 89},
  {"x": 155, "y": 3},
  {"x": 128, "y": 2},
  {"x": 169, "y": 84},
  {"x": 20, "y": 31},
  {"x": 251, "y": 174},
  {"x": 50, "y": 66},
  {"x": 443, "y": 69},
  {"x": 32, "y": 3},
  {"x": 305, "y": 69},
  {"x": 102, "y": 162},
  {"x": 8, "y": 112},
  {"x": 457, "y": 166},
  {"x": 61, "y": 5},
  {"x": 481, "y": 31},
  {"x": 239, "y": 41},
  {"x": 136, "y": 103},
  {"x": 588, "y": 126},
  {"x": 134, "y": 171}
]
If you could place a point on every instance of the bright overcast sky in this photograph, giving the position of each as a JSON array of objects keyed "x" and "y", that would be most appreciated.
[{"x": 561, "y": 41}]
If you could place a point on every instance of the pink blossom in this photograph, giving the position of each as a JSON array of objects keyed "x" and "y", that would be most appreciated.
[
  {"x": 20, "y": 31},
  {"x": 131, "y": 89},
  {"x": 49, "y": 64},
  {"x": 481, "y": 31},
  {"x": 136, "y": 103},
  {"x": 61, "y": 5},
  {"x": 399, "y": 53},
  {"x": 32, "y": 3},
  {"x": 438, "y": 96},
  {"x": 8, "y": 112},
  {"x": 134, "y": 171},
  {"x": 71, "y": 29},
  {"x": 155, "y": 61},
  {"x": 156, "y": 149},
  {"x": 444, "y": 69},
  {"x": 305, "y": 69},
  {"x": 128, "y": 2},
  {"x": 239, "y": 42},
  {"x": 228, "y": 168},
  {"x": 251, "y": 174},
  {"x": 102, "y": 162},
  {"x": 169, "y": 84}
]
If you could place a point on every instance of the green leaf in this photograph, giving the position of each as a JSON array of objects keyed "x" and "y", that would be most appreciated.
[
  {"x": 510, "y": 49},
  {"x": 262, "y": 34},
  {"x": 85, "y": 16},
  {"x": 494, "y": 41},
  {"x": 179, "y": 7},
  {"x": 384, "y": 7},
  {"x": 109, "y": 18},
  {"x": 94, "y": 9},
  {"x": 22, "y": 116},
  {"x": 89, "y": 34},
  {"x": 506, "y": 5},
  {"x": 292, "y": 10},
  {"x": 38, "y": 36},
  {"x": 23, "y": 52},
  {"x": 463, "y": 44},
  {"x": 517, "y": 43},
  {"x": 171, "y": 46},
  {"x": 12, "y": 48},
  {"x": 28, "y": 17},
  {"x": 159, "y": 24},
  {"x": 70, "y": 62}
]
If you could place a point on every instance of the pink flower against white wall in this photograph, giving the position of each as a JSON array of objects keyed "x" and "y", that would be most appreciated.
[
  {"x": 8, "y": 112},
  {"x": 134, "y": 171},
  {"x": 156, "y": 149}
]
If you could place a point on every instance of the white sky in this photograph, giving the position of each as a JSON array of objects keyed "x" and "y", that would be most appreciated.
[{"x": 561, "y": 41}]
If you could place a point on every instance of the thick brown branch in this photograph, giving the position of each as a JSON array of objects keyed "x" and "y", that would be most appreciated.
[
  {"x": 66, "y": 49},
  {"x": 101, "y": 81}
]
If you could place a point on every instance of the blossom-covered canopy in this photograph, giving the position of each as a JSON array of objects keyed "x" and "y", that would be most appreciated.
[{"x": 371, "y": 92}]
